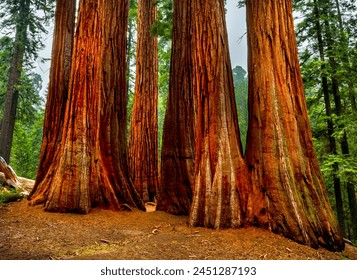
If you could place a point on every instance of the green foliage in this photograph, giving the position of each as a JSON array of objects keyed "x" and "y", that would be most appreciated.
[
  {"x": 29, "y": 115},
  {"x": 163, "y": 29},
  {"x": 27, "y": 144},
  {"x": 29, "y": 118},
  {"x": 5, "y": 55},
  {"x": 327, "y": 43},
  {"x": 163, "y": 26},
  {"x": 7, "y": 196},
  {"x": 37, "y": 22},
  {"x": 241, "y": 95}
]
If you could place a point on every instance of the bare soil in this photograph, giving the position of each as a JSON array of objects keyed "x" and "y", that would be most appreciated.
[{"x": 31, "y": 233}]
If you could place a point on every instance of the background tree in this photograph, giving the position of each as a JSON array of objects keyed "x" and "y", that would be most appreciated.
[
  {"x": 163, "y": 29},
  {"x": 288, "y": 193},
  {"x": 19, "y": 16},
  {"x": 330, "y": 85},
  {"x": 143, "y": 144},
  {"x": 90, "y": 167},
  {"x": 11, "y": 98},
  {"x": 240, "y": 79},
  {"x": 29, "y": 117},
  {"x": 5, "y": 54}
]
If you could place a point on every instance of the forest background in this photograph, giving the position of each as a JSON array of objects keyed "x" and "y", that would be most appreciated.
[{"x": 327, "y": 38}]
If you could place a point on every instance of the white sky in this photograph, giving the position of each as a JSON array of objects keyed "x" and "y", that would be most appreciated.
[{"x": 236, "y": 25}]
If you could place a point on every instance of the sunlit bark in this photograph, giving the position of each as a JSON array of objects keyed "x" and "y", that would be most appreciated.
[
  {"x": 90, "y": 167},
  {"x": 57, "y": 91},
  {"x": 288, "y": 194},
  {"x": 177, "y": 155},
  {"x": 143, "y": 144},
  {"x": 219, "y": 167}
]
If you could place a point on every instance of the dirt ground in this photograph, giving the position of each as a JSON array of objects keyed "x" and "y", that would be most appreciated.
[{"x": 31, "y": 233}]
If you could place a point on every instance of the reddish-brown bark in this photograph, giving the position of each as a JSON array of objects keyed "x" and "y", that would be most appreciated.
[
  {"x": 219, "y": 166},
  {"x": 57, "y": 91},
  {"x": 177, "y": 155},
  {"x": 287, "y": 194},
  {"x": 143, "y": 144},
  {"x": 90, "y": 167}
]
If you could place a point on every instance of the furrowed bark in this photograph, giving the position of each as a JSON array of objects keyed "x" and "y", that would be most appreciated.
[
  {"x": 143, "y": 144},
  {"x": 61, "y": 60},
  {"x": 287, "y": 193},
  {"x": 219, "y": 166},
  {"x": 177, "y": 155},
  {"x": 91, "y": 163}
]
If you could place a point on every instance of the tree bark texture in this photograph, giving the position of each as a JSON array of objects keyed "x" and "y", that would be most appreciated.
[
  {"x": 90, "y": 167},
  {"x": 143, "y": 144},
  {"x": 219, "y": 167},
  {"x": 12, "y": 95},
  {"x": 57, "y": 91},
  {"x": 287, "y": 193},
  {"x": 177, "y": 155}
]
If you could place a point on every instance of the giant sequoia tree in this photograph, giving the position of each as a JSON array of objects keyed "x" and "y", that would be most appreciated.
[
  {"x": 90, "y": 166},
  {"x": 202, "y": 164},
  {"x": 287, "y": 190},
  {"x": 58, "y": 88},
  {"x": 143, "y": 144},
  {"x": 177, "y": 155},
  {"x": 219, "y": 166},
  {"x": 278, "y": 186}
]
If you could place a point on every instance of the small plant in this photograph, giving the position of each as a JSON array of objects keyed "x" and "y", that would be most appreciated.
[{"x": 7, "y": 195}]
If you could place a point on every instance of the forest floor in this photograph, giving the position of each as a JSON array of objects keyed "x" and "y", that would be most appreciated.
[{"x": 31, "y": 233}]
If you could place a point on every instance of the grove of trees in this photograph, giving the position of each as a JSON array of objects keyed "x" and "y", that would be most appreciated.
[{"x": 265, "y": 147}]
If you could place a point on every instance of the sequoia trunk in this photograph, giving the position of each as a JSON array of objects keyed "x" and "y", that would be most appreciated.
[
  {"x": 177, "y": 155},
  {"x": 219, "y": 166},
  {"x": 57, "y": 91},
  {"x": 143, "y": 144},
  {"x": 287, "y": 193},
  {"x": 90, "y": 166}
]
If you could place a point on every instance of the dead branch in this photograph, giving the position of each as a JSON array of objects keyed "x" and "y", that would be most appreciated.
[{"x": 9, "y": 177}]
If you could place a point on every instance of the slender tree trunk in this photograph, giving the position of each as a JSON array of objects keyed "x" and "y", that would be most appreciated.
[
  {"x": 345, "y": 57},
  {"x": 178, "y": 141},
  {"x": 90, "y": 167},
  {"x": 351, "y": 193},
  {"x": 143, "y": 145},
  {"x": 219, "y": 166},
  {"x": 287, "y": 194},
  {"x": 57, "y": 91},
  {"x": 12, "y": 95},
  {"x": 339, "y": 111},
  {"x": 330, "y": 125}
]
